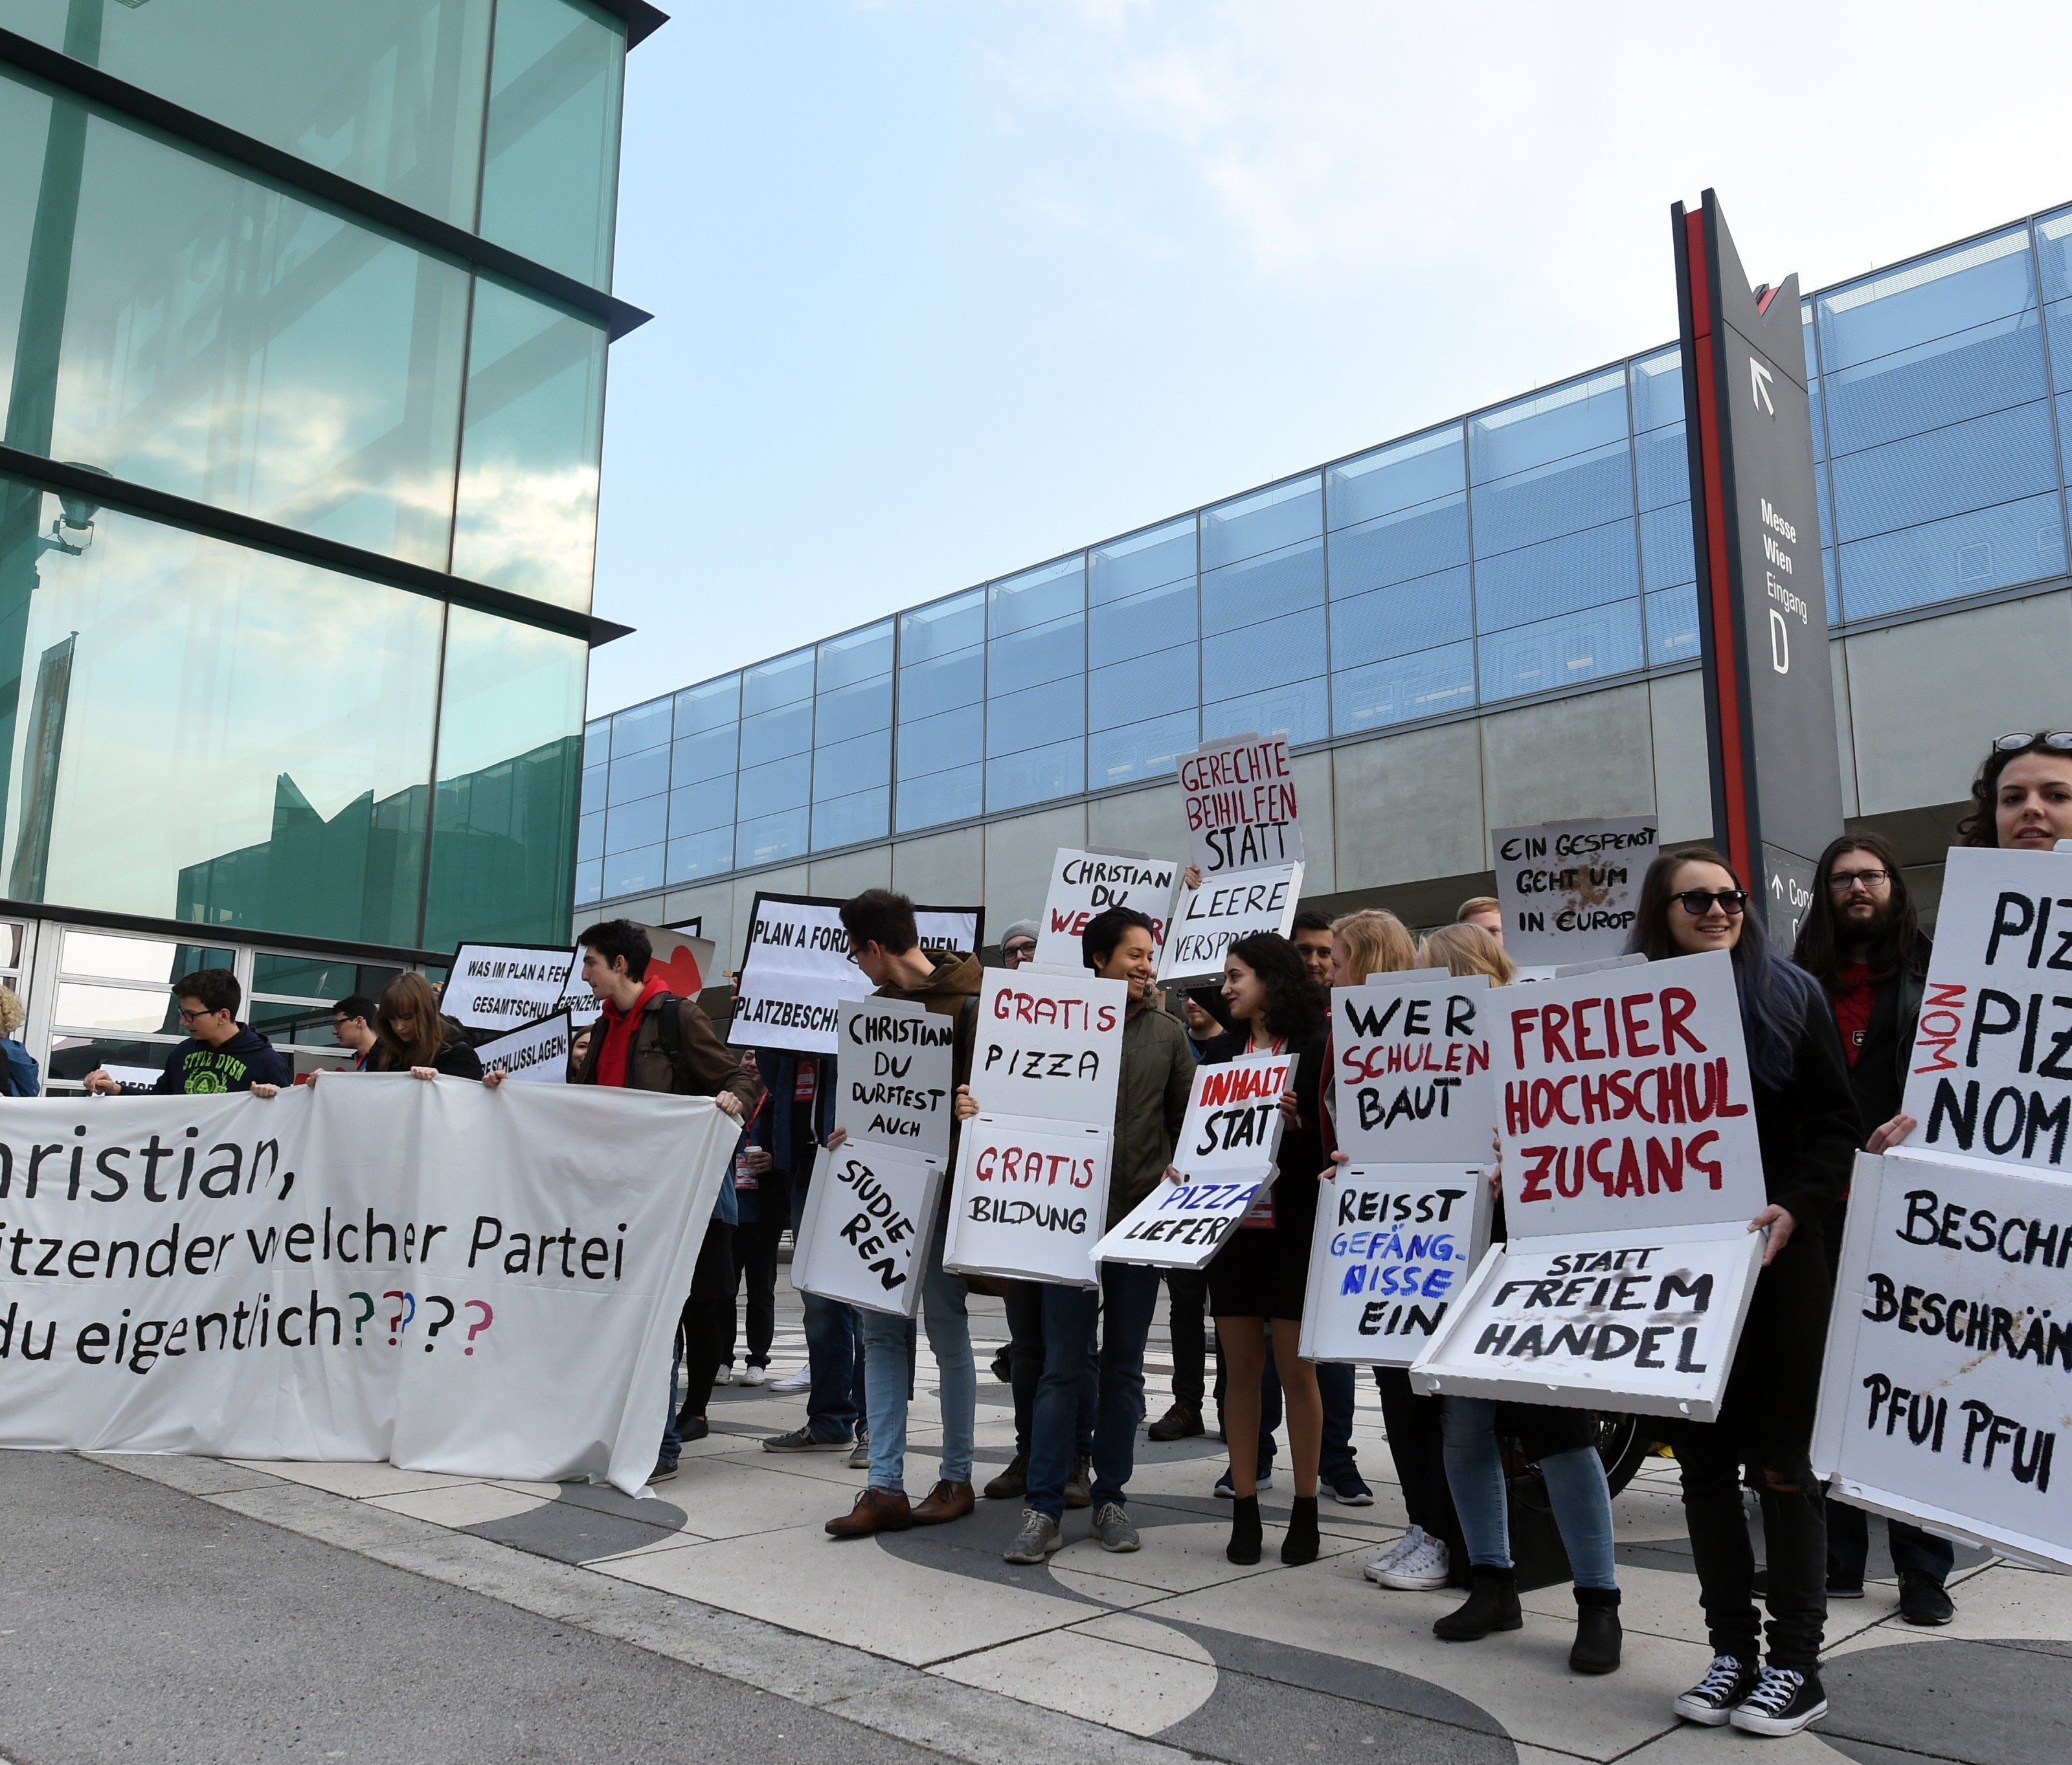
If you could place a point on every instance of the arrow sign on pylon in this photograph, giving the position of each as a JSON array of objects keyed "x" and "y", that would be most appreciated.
[{"x": 1759, "y": 378}]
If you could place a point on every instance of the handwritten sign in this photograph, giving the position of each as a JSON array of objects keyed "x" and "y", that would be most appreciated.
[
  {"x": 1394, "y": 1246},
  {"x": 893, "y": 1084},
  {"x": 1085, "y": 883},
  {"x": 1239, "y": 800},
  {"x": 1412, "y": 1069},
  {"x": 865, "y": 1227},
  {"x": 502, "y": 986},
  {"x": 1030, "y": 1199},
  {"x": 1211, "y": 919},
  {"x": 1568, "y": 890},
  {"x": 538, "y": 1054},
  {"x": 1049, "y": 1045}
]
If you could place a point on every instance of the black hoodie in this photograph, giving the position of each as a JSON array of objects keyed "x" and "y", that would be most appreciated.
[{"x": 246, "y": 1059}]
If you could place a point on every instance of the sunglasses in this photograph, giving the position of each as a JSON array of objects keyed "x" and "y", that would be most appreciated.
[
  {"x": 1697, "y": 902},
  {"x": 2058, "y": 741}
]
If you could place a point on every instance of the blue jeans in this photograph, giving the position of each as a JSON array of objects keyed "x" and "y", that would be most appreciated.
[
  {"x": 1028, "y": 1352},
  {"x": 888, "y": 1372},
  {"x": 1337, "y": 1386},
  {"x": 1575, "y": 1490},
  {"x": 834, "y": 1358},
  {"x": 1128, "y": 1298}
]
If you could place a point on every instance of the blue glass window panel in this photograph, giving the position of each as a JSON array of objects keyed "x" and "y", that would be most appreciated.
[
  {"x": 933, "y": 744},
  {"x": 1036, "y": 597},
  {"x": 1138, "y": 562},
  {"x": 1672, "y": 626},
  {"x": 639, "y": 775},
  {"x": 858, "y": 765},
  {"x": 1038, "y": 774},
  {"x": 1583, "y": 490},
  {"x": 953, "y": 796},
  {"x": 1301, "y": 710},
  {"x": 2065, "y": 436},
  {"x": 1043, "y": 714},
  {"x": 1666, "y": 556},
  {"x": 596, "y": 741},
  {"x": 1397, "y": 477},
  {"x": 2057, "y": 323},
  {"x": 1406, "y": 616},
  {"x": 852, "y": 711},
  {"x": 589, "y": 838},
  {"x": 633, "y": 873},
  {"x": 1833, "y": 579},
  {"x": 776, "y": 734},
  {"x": 709, "y": 754},
  {"x": 1264, "y": 521},
  {"x": 1548, "y": 426},
  {"x": 855, "y": 656},
  {"x": 640, "y": 727},
  {"x": 1816, "y": 408},
  {"x": 1658, "y": 390},
  {"x": 1809, "y": 334},
  {"x": 770, "y": 839},
  {"x": 1262, "y": 588},
  {"x": 1276, "y": 653},
  {"x": 629, "y": 825},
  {"x": 594, "y": 788},
  {"x": 1820, "y": 496},
  {"x": 1966, "y": 374},
  {"x": 782, "y": 681},
  {"x": 710, "y": 853},
  {"x": 943, "y": 626},
  {"x": 1910, "y": 303},
  {"x": 1938, "y": 561},
  {"x": 696, "y": 808},
  {"x": 1393, "y": 548},
  {"x": 1536, "y": 582},
  {"x": 1402, "y": 688},
  {"x": 1145, "y": 687},
  {"x": 1662, "y": 465},
  {"x": 590, "y": 882},
  {"x": 1028, "y": 658},
  {"x": 1970, "y": 465},
  {"x": 1141, "y": 751},
  {"x": 2053, "y": 251},
  {"x": 764, "y": 790},
  {"x": 1589, "y": 645},
  {"x": 942, "y": 683},
  {"x": 849, "y": 820},
  {"x": 1143, "y": 623},
  {"x": 709, "y": 705}
]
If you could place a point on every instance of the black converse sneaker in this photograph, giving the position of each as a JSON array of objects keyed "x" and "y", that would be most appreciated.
[
  {"x": 1783, "y": 1703},
  {"x": 1712, "y": 1701}
]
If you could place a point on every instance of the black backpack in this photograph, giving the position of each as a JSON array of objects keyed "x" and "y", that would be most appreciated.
[{"x": 669, "y": 1033}]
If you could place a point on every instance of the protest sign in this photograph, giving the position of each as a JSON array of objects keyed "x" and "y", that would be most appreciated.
[
  {"x": 893, "y": 1076},
  {"x": 441, "y": 1275},
  {"x": 1085, "y": 883},
  {"x": 1394, "y": 1245},
  {"x": 1240, "y": 800},
  {"x": 1211, "y": 919},
  {"x": 1030, "y": 1199},
  {"x": 1991, "y": 1071},
  {"x": 538, "y": 1054},
  {"x": 865, "y": 1230},
  {"x": 501, "y": 986},
  {"x": 1568, "y": 890},
  {"x": 1948, "y": 1375},
  {"x": 797, "y": 969},
  {"x": 1413, "y": 1080},
  {"x": 1049, "y": 1045}
]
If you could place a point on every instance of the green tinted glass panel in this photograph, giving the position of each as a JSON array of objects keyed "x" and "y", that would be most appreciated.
[
  {"x": 317, "y": 977},
  {"x": 199, "y": 732},
  {"x": 510, "y": 745},
  {"x": 527, "y": 519},
  {"x": 552, "y": 168},
  {"x": 386, "y": 92}
]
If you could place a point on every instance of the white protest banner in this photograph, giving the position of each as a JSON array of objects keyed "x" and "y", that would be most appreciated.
[
  {"x": 1030, "y": 1199},
  {"x": 1211, "y": 919},
  {"x": 893, "y": 1076},
  {"x": 538, "y": 1054},
  {"x": 1085, "y": 883},
  {"x": 1568, "y": 890},
  {"x": 865, "y": 1230},
  {"x": 1394, "y": 1244},
  {"x": 797, "y": 969},
  {"x": 1049, "y": 1045},
  {"x": 1413, "y": 1080},
  {"x": 1626, "y": 1101},
  {"x": 450, "y": 1277},
  {"x": 1948, "y": 1375},
  {"x": 1239, "y": 801},
  {"x": 502, "y": 986},
  {"x": 1992, "y": 1073}
]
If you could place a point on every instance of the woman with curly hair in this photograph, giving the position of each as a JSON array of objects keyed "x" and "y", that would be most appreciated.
[{"x": 2021, "y": 800}]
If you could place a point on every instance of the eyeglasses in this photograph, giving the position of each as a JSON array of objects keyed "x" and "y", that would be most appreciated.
[
  {"x": 1697, "y": 902},
  {"x": 1841, "y": 882},
  {"x": 2060, "y": 741},
  {"x": 189, "y": 1017}
]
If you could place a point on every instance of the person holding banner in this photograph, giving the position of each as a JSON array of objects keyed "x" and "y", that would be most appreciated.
[
  {"x": 352, "y": 1027},
  {"x": 219, "y": 1055},
  {"x": 411, "y": 1036},
  {"x": 1692, "y": 901}
]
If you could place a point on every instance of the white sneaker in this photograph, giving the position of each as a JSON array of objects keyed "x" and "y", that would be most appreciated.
[
  {"x": 793, "y": 1382},
  {"x": 1394, "y": 1554},
  {"x": 1424, "y": 1569},
  {"x": 725, "y": 1375},
  {"x": 753, "y": 1375}
]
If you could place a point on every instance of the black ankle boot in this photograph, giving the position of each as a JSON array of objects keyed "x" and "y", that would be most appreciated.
[
  {"x": 1300, "y": 1546},
  {"x": 1597, "y": 1632},
  {"x": 1492, "y": 1605},
  {"x": 1245, "y": 1532}
]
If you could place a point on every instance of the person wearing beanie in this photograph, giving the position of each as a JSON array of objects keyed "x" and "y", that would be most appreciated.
[{"x": 1017, "y": 943}]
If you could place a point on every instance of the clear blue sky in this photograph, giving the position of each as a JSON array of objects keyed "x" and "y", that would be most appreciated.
[{"x": 941, "y": 289}]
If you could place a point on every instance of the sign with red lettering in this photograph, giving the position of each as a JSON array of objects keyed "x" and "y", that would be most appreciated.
[
  {"x": 1085, "y": 883},
  {"x": 1394, "y": 1246},
  {"x": 1624, "y": 1102},
  {"x": 1410, "y": 1061},
  {"x": 1030, "y": 1199},
  {"x": 1211, "y": 919},
  {"x": 1049, "y": 1045},
  {"x": 865, "y": 1230},
  {"x": 1240, "y": 800}
]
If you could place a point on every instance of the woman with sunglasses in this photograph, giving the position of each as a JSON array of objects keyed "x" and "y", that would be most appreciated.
[{"x": 1692, "y": 901}]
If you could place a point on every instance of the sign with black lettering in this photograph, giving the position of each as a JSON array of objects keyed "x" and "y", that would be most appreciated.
[
  {"x": 1030, "y": 1199},
  {"x": 1239, "y": 799},
  {"x": 1211, "y": 919},
  {"x": 502, "y": 986},
  {"x": 1568, "y": 890},
  {"x": 1412, "y": 1069},
  {"x": 1394, "y": 1246},
  {"x": 1992, "y": 1074},
  {"x": 1049, "y": 1045},
  {"x": 538, "y": 1054},
  {"x": 893, "y": 1076},
  {"x": 1948, "y": 1375},
  {"x": 865, "y": 1230},
  {"x": 1085, "y": 883}
]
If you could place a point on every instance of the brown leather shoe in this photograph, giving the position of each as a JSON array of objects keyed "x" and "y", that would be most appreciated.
[
  {"x": 946, "y": 1501},
  {"x": 875, "y": 1510}
]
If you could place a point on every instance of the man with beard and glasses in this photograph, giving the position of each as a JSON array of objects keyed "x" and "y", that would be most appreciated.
[{"x": 1862, "y": 942}]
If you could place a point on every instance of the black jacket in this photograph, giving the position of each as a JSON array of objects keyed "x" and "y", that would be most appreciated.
[
  {"x": 247, "y": 1058},
  {"x": 1879, "y": 1075},
  {"x": 455, "y": 1058}
]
